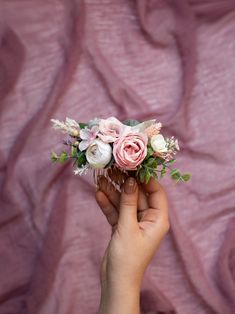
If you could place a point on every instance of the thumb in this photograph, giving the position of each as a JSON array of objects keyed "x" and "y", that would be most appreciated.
[{"x": 128, "y": 203}]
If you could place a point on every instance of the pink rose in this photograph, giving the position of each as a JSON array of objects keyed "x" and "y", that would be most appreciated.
[
  {"x": 130, "y": 150},
  {"x": 111, "y": 129}
]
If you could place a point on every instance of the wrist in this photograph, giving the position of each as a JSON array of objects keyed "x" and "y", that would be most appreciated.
[{"x": 120, "y": 297}]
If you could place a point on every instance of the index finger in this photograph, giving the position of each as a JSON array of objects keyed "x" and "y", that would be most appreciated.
[{"x": 157, "y": 195}]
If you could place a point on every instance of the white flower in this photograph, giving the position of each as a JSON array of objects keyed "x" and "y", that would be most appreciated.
[
  {"x": 70, "y": 126},
  {"x": 98, "y": 154},
  {"x": 159, "y": 144},
  {"x": 81, "y": 170},
  {"x": 93, "y": 122},
  {"x": 177, "y": 145}
]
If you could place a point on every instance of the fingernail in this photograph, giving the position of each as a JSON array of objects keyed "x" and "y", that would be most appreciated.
[{"x": 130, "y": 185}]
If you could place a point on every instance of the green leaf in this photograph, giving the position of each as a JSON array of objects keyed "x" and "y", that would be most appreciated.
[
  {"x": 63, "y": 157},
  {"x": 163, "y": 171},
  {"x": 155, "y": 176},
  {"x": 186, "y": 177},
  {"x": 81, "y": 158},
  {"x": 171, "y": 161},
  {"x": 54, "y": 157},
  {"x": 82, "y": 125},
  {"x": 151, "y": 163},
  {"x": 147, "y": 176},
  {"x": 160, "y": 160},
  {"x": 175, "y": 177},
  {"x": 175, "y": 171},
  {"x": 74, "y": 152},
  {"x": 175, "y": 174},
  {"x": 138, "y": 170},
  {"x": 142, "y": 175},
  {"x": 131, "y": 122},
  {"x": 150, "y": 152}
]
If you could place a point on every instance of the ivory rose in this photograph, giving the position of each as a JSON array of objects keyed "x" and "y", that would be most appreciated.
[
  {"x": 98, "y": 154},
  {"x": 159, "y": 144},
  {"x": 111, "y": 129},
  {"x": 130, "y": 150}
]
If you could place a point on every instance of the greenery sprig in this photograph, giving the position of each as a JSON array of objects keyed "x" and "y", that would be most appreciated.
[{"x": 157, "y": 167}]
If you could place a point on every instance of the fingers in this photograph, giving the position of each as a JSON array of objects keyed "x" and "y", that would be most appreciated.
[
  {"x": 157, "y": 196},
  {"x": 142, "y": 204},
  {"x": 151, "y": 200},
  {"x": 152, "y": 186},
  {"x": 110, "y": 191},
  {"x": 142, "y": 200},
  {"x": 114, "y": 195},
  {"x": 128, "y": 203},
  {"x": 155, "y": 225},
  {"x": 155, "y": 219},
  {"x": 107, "y": 208}
]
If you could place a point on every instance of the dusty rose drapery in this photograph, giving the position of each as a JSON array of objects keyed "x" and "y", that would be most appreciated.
[{"x": 173, "y": 60}]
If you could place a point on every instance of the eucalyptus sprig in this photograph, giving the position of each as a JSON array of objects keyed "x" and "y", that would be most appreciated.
[
  {"x": 78, "y": 156},
  {"x": 157, "y": 167}
]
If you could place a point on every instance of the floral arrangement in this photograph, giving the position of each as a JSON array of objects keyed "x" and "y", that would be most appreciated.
[{"x": 131, "y": 147}]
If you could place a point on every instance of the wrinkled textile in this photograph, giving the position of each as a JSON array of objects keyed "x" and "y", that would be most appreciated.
[{"x": 173, "y": 60}]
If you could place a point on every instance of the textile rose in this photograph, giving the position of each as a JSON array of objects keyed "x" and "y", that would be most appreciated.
[
  {"x": 98, "y": 154},
  {"x": 130, "y": 150},
  {"x": 111, "y": 129},
  {"x": 159, "y": 144}
]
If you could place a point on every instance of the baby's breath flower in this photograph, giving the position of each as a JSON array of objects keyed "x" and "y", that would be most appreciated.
[
  {"x": 172, "y": 148},
  {"x": 172, "y": 144},
  {"x": 81, "y": 170}
]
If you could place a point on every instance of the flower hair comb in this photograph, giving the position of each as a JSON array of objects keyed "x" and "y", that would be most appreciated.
[{"x": 119, "y": 149}]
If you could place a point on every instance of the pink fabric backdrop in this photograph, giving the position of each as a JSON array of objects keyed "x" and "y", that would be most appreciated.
[{"x": 173, "y": 60}]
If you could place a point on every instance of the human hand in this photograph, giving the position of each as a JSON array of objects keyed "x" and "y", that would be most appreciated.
[{"x": 139, "y": 219}]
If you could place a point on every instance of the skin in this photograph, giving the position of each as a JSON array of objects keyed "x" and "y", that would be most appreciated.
[{"x": 139, "y": 220}]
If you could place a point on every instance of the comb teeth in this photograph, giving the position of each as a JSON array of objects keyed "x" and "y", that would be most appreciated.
[{"x": 113, "y": 174}]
